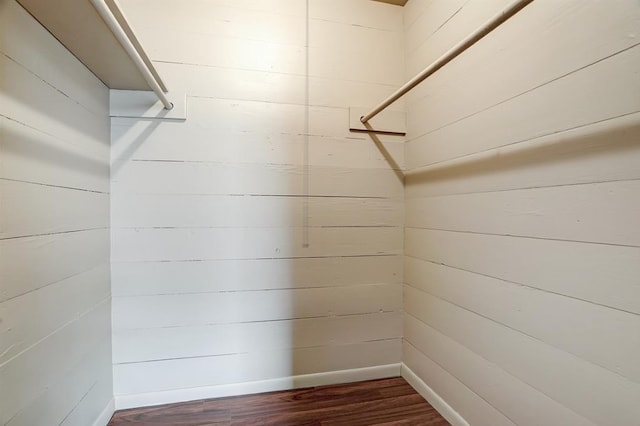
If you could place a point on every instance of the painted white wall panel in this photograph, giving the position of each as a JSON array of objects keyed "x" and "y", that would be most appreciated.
[
  {"x": 599, "y": 273},
  {"x": 473, "y": 409},
  {"x": 180, "y": 244},
  {"x": 35, "y": 262},
  {"x": 144, "y": 278},
  {"x": 24, "y": 42},
  {"x": 246, "y": 367},
  {"x": 260, "y": 236},
  {"x": 608, "y": 339},
  {"x": 601, "y": 152},
  {"x": 575, "y": 383},
  {"x": 496, "y": 386},
  {"x": 598, "y": 212},
  {"x": 232, "y": 307},
  {"x": 521, "y": 248},
  {"x": 135, "y": 345},
  {"x": 32, "y": 209},
  {"x": 567, "y": 103},
  {"x": 523, "y": 58},
  {"x": 196, "y": 211},
  {"x": 55, "y": 307}
]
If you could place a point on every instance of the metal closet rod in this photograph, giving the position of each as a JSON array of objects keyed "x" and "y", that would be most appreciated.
[
  {"x": 126, "y": 44},
  {"x": 456, "y": 50}
]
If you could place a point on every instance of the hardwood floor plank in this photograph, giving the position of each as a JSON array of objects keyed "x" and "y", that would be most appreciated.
[{"x": 386, "y": 402}]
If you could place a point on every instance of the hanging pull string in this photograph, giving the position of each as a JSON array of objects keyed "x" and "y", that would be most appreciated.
[{"x": 305, "y": 177}]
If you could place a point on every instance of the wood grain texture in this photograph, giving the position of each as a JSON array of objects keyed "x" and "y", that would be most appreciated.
[{"x": 380, "y": 402}]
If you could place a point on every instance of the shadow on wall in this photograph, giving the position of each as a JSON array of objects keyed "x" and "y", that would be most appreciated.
[
  {"x": 386, "y": 154},
  {"x": 30, "y": 144},
  {"x": 85, "y": 122},
  {"x": 150, "y": 126}
]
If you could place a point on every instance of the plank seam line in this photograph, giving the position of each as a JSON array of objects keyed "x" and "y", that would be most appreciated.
[
  {"x": 291, "y": 349},
  {"x": 520, "y": 332},
  {"x": 239, "y": 195},
  {"x": 526, "y": 237},
  {"x": 449, "y": 18},
  {"x": 47, "y": 234},
  {"x": 268, "y": 321},
  {"x": 529, "y": 286},
  {"x": 260, "y": 258},
  {"x": 429, "y": 166},
  {"x": 562, "y": 76},
  {"x": 524, "y": 188},
  {"x": 239, "y": 227},
  {"x": 53, "y": 186}
]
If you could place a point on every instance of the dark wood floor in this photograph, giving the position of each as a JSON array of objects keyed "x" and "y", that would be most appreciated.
[{"x": 388, "y": 402}]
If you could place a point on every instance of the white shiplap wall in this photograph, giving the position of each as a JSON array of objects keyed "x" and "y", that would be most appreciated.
[
  {"x": 522, "y": 266},
  {"x": 55, "y": 340},
  {"x": 212, "y": 284}
]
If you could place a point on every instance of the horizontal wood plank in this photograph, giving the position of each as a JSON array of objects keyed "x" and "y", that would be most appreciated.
[
  {"x": 30, "y": 155},
  {"x": 31, "y": 209},
  {"x": 84, "y": 388},
  {"x": 139, "y": 211},
  {"x": 56, "y": 305},
  {"x": 564, "y": 378},
  {"x": 511, "y": 121},
  {"x": 247, "y": 367},
  {"x": 603, "y": 336},
  {"x": 600, "y": 152},
  {"x": 149, "y": 278},
  {"x": 134, "y": 245},
  {"x": 566, "y": 37},
  {"x": 26, "y": 98},
  {"x": 24, "y": 40},
  {"x": 35, "y": 262},
  {"x": 223, "y": 179},
  {"x": 471, "y": 407},
  {"x": 584, "y": 271},
  {"x": 494, "y": 385},
  {"x": 599, "y": 212},
  {"x": 53, "y": 358},
  {"x": 267, "y": 86},
  {"x": 152, "y": 344},
  {"x": 226, "y": 308}
]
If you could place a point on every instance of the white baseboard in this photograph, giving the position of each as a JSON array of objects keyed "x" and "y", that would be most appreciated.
[
  {"x": 284, "y": 383},
  {"x": 106, "y": 414},
  {"x": 433, "y": 398}
]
